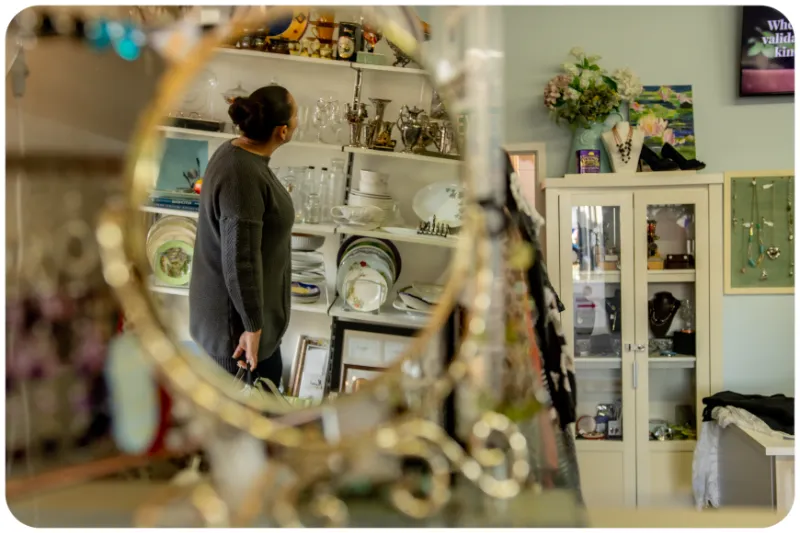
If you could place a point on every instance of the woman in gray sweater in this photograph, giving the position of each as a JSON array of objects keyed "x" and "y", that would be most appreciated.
[{"x": 241, "y": 274}]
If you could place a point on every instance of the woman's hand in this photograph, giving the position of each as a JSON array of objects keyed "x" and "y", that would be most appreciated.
[{"x": 248, "y": 345}]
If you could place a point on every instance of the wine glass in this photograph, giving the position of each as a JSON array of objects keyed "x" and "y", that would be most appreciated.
[
  {"x": 302, "y": 122},
  {"x": 320, "y": 118},
  {"x": 335, "y": 118}
]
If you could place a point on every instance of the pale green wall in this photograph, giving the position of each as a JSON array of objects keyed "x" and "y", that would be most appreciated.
[
  {"x": 676, "y": 45},
  {"x": 679, "y": 45}
]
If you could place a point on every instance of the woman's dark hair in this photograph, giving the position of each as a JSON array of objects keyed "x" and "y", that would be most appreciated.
[{"x": 260, "y": 113}]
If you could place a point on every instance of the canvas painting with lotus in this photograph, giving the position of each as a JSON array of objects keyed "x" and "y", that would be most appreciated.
[{"x": 665, "y": 113}]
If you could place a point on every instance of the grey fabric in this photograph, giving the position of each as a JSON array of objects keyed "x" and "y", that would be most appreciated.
[{"x": 241, "y": 272}]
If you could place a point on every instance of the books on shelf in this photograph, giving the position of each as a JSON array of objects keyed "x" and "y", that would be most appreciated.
[{"x": 175, "y": 200}]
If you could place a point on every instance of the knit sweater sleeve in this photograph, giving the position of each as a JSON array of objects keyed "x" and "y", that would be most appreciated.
[{"x": 241, "y": 214}]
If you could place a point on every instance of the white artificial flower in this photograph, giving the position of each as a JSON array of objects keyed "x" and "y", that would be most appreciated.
[
  {"x": 577, "y": 52},
  {"x": 594, "y": 59},
  {"x": 572, "y": 94},
  {"x": 571, "y": 69}
]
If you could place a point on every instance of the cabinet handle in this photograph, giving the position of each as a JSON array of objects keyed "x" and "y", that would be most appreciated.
[
  {"x": 640, "y": 347},
  {"x": 635, "y": 374},
  {"x": 635, "y": 347}
]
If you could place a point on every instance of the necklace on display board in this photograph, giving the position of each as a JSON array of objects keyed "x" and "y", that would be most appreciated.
[{"x": 624, "y": 148}]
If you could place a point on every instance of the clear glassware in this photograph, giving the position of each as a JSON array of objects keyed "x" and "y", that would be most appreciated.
[
  {"x": 294, "y": 183},
  {"x": 324, "y": 194},
  {"x": 302, "y": 123},
  {"x": 335, "y": 120},
  {"x": 313, "y": 209},
  {"x": 336, "y": 182},
  {"x": 320, "y": 118}
]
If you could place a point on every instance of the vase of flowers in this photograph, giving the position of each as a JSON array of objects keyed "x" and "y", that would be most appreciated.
[{"x": 589, "y": 99}]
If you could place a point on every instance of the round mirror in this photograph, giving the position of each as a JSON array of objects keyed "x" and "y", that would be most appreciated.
[{"x": 294, "y": 214}]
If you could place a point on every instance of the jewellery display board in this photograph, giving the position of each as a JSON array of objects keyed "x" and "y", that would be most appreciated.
[{"x": 759, "y": 232}]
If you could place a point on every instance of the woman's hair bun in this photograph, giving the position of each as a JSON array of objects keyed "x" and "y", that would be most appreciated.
[
  {"x": 246, "y": 113},
  {"x": 259, "y": 114}
]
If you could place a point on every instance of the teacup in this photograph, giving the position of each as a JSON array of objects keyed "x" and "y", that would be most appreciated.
[
  {"x": 373, "y": 182},
  {"x": 358, "y": 215}
]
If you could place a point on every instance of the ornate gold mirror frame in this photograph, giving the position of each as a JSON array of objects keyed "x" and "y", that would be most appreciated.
[{"x": 478, "y": 258}]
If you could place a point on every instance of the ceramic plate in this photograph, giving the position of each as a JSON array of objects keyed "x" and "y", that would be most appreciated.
[
  {"x": 368, "y": 251},
  {"x": 383, "y": 244},
  {"x": 401, "y": 306},
  {"x": 307, "y": 257},
  {"x": 442, "y": 200},
  {"x": 172, "y": 263},
  {"x": 413, "y": 301},
  {"x": 365, "y": 289},
  {"x": 360, "y": 261},
  {"x": 429, "y": 292}
]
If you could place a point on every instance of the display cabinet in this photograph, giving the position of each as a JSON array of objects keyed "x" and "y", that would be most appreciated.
[{"x": 637, "y": 260}]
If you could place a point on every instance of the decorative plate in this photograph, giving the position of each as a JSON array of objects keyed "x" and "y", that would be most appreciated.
[
  {"x": 172, "y": 263},
  {"x": 428, "y": 291},
  {"x": 445, "y": 201},
  {"x": 360, "y": 261},
  {"x": 401, "y": 306},
  {"x": 304, "y": 290},
  {"x": 413, "y": 301},
  {"x": 384, "y": 244},
  {"x": 365, "y": 289}
]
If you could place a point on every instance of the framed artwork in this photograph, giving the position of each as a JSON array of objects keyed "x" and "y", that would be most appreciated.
[
  {"x": 355, "y": 375},
  {"x": 310, "y": 368},
  {"x": 759, "y": 232},
  {"x": 665, "y": 113},
  {"x": 366, "y": 346}
]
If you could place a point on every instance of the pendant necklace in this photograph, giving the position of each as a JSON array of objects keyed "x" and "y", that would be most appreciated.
[
  {"x": 773, "y": 251},
  {"x": 733, "y": 215},
  {"x": 624, "y": 149},
  {"x": 751, "y": 227}
]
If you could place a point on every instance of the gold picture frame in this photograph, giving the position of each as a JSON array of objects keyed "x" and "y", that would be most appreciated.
[
  {"x": 741, "y": 276},
  {"x": 322, "y": 350},
  {"x": 358, "y": 373}
]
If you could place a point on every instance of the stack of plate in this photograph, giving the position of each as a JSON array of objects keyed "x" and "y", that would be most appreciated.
[
  {"x": 420, "y": 298},
  {"x": 170, "y": 250},
  {"x": 373, "y": 191},
  {"x": 368, "y": 269},
  {"x": 308, "y": 274}
]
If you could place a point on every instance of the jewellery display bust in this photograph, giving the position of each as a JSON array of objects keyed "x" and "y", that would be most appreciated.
[{"x": 623, "y": 145}]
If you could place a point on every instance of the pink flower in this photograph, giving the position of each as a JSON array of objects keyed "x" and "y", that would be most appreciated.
[
  {"x": 664, "y": 93},
  {"x": 668, "y": 136},
  {"x": 652, "y": 126},
  {"x": 682, "y": 98},
  {"x": 636, "y": 106}
]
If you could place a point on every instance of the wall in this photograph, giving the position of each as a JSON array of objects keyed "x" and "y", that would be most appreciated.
[{"x": 696, "y": 45}]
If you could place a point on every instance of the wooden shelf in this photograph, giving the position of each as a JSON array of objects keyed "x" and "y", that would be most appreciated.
[
  {"x": 182, "y": 133},
  {"x": 672, "y": 445},
  {"x": 671, "y": 276},
  {"x": 351, "y": 65},
  {"x": 677, "y": 361},
  {"x": 653, "y": 276},
  {"x": 444, "y": 242},
  {"x": 388, "y": 316},
  {"x": 596, "y": 361},
  {"x": 168, "y": 211},
  {"x": 255, "y": 54},
  {"x": 402, "y": 155},
  {"x": 309, "y": 229},
  {"x": 319, "y": 307},
  {"x": 602, "y": 445}
]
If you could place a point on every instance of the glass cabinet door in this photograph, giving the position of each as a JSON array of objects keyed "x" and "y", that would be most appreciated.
[
  {"x": 672, "y": 336},
  {"x": 596, "y": 264}
]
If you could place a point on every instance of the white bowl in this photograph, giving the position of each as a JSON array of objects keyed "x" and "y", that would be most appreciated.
[
  {"x": 307, "y": 243},
  {"x": 373, "y": 182}
]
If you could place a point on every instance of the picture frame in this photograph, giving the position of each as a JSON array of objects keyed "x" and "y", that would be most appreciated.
[
  {"x": 353, "y": 374},
  {"x": 740, "y": 201},
  {"x": 310, "y": 368}
]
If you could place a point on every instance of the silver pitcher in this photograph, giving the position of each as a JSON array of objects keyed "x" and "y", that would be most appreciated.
[
  {"x": 443, "y": 136},
  {"x": 374, "y": 125},
  {"x": 356, "y": 116},
  {"x": 412, "y": 124}
]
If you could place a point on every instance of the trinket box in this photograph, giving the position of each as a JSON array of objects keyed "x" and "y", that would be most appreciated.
[
  {"x": 655, "y": 263},
  {"x": 588, "y": 161},
  {"x": 679, "y": 262}
]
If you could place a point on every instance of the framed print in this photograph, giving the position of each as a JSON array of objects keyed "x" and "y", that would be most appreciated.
[
  {"x": 356, "y": 375},
  {"x": 310, "y": 368},
  {"x": 759, "y": 232}
]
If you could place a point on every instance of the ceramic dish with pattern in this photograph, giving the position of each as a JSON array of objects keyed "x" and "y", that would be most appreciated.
[
  {"x": 413, "y": 300},
  {"x": 428, "y": 291},
  {"x": 380, "y": 254},
  {"x": 445, "y": 201},
  {"x": 365, "y": 289},
  {"x": 383, "y": 244},
  {"x": 172, "y": 263},
  {"x": 306, "y": 243},
  {"x": 174, "y": 221},
  {"x": 362, "y": 261},
  {"x": 401, "y": 306},
  {"x": 168, "y": 234},
  {"x": 308, "y": 276}
]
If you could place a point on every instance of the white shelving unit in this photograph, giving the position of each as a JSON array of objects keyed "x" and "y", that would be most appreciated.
[
  {"x": 599, "y": 261},
  {"x": 388, "y": 315},
  {"x": 429, "y": 240},
  {"x": 401, "y": 155}
]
